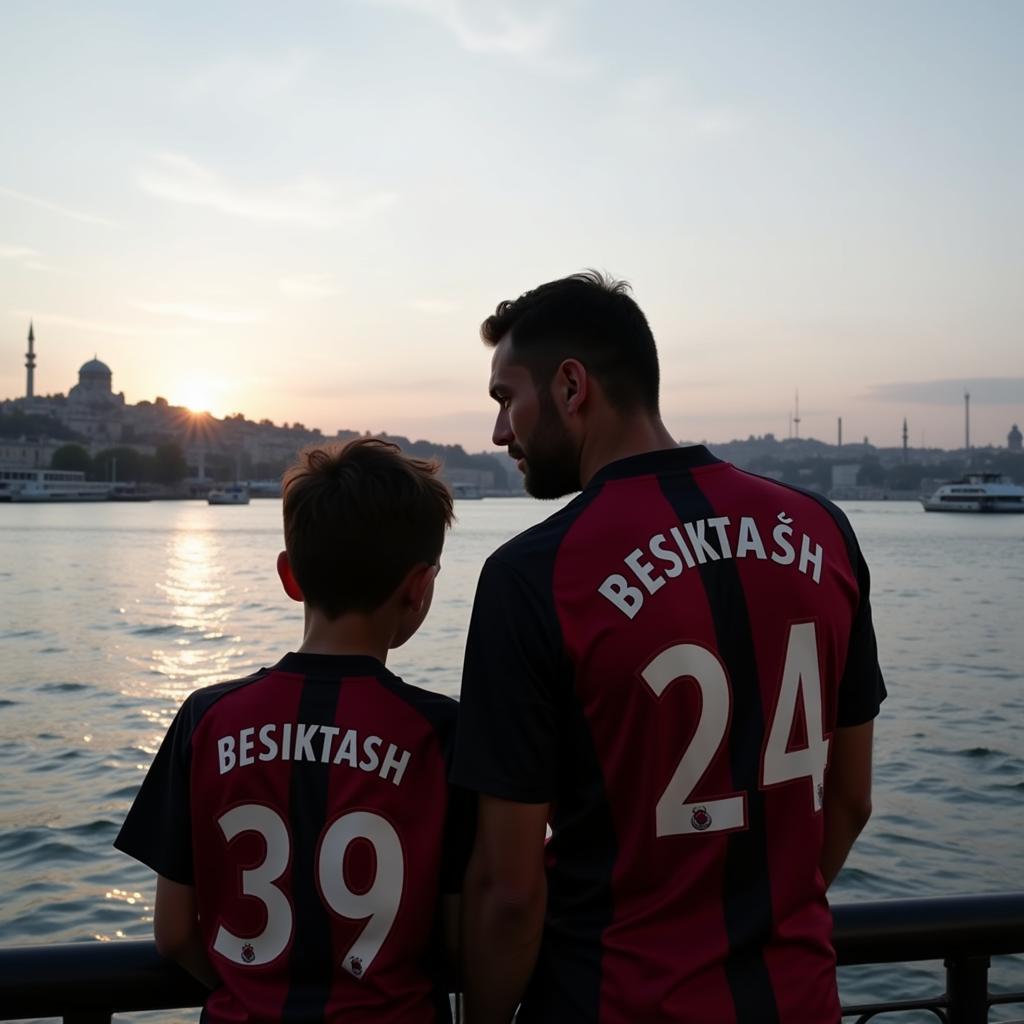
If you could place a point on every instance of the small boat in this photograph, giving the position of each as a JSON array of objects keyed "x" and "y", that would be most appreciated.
[
  {"x": 232, "y": 494},
  {"x": 466, "y": 492},
  {"x": 977, "y": 492}
]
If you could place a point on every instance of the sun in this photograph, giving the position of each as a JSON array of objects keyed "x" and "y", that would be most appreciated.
[{"x": 199, "y": 394}]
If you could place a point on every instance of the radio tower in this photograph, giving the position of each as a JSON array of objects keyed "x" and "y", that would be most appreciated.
[
  {"x": 30, "y": 364},
  {"x": 905, "y": 432},
  {"x": 796, "y": 417},
  {"x": 967, "y": 419}
]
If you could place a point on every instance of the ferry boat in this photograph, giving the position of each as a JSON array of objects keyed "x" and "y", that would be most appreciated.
[
  {"x": 231, "y": 494},
  {"x": 977, "y": 492},
  {"x": 39, "y": 485}
]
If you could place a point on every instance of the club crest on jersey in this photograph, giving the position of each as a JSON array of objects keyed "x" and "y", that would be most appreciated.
[
  {"x": 248, "y": 953},
  {"x": 355, "y": 964},
  {"x": 700, "y": 819}
]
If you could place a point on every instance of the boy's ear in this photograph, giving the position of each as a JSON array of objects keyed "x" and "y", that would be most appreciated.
[
  {"x": 417, "y": 583},
  {"x": 284, "y": 571}
]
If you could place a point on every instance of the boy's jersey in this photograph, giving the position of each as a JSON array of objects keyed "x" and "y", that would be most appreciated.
[
  {"x": 309, "y": 807},
  {"x": 665, "y": 661}
]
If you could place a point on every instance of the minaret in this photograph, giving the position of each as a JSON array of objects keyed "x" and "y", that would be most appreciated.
[
  {"x": 967, "y": 419},
  {"x": 904, "y": 438},
  {"x": 796, "y": 417},
  {"x": 839, "y": 439},
  {"x": 30, "y": 364}
]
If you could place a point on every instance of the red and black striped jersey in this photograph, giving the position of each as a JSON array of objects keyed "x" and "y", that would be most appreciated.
[
  {"x": 665, "y": 661},
  {"x": 309, "y": 806}
]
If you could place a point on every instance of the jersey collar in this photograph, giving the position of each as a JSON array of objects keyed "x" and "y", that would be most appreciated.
[
  {"x": 652, "y": 463},
  {"x": 332, "y": 666}
]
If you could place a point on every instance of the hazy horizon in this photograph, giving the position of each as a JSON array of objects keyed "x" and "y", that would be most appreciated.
[{"x": 305, "y": 216}]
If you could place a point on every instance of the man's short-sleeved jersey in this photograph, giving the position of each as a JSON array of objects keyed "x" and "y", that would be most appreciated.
[
  {"x": 665, "y": 661},
  {"x": 309, "y": 806}
]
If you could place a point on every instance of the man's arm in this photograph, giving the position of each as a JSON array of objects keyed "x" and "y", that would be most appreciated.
[
  {"x": 503, "y": 904},
  {"x": 847, "y": 803},
  {"x": 176, "y": 930}
]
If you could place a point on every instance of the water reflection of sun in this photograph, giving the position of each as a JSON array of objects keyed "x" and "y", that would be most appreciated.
[{"x": 196, "y": 599}]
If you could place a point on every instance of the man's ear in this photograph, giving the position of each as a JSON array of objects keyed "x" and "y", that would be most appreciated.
[
  {"x": 284, "y": 571},
  {"x": 571, "y": 385},
  {"x": 416, "y": 584}
]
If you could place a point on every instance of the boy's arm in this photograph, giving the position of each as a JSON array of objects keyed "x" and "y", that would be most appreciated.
[
  {"x": 451, "y": 927},
  {"x": 847, "y": 804},
  {"x": 176, "y": 930},
  {"x": 504, "y": 900}
]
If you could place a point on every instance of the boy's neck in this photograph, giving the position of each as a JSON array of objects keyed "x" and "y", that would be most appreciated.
[{"x": 348, "y": 634}]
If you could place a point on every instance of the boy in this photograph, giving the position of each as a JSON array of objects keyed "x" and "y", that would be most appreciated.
[{"x": 299, "y": 820}]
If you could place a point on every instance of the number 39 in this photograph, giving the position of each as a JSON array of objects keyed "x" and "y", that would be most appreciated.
[
  {"x": 677, "y": 813},
  {"x": 379, "y": 903}
]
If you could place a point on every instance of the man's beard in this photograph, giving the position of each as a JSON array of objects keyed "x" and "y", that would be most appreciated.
[{"x": 552, "y": 461}]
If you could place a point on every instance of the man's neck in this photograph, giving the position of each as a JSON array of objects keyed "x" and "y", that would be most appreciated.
[{"x": 620, "y": 438}]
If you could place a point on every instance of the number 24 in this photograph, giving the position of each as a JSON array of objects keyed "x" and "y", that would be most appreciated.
[{"x": 677, "y": 813}]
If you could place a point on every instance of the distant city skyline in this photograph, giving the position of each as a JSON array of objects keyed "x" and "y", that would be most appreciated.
[
  {"x": 305, "y": 215},
  {"x": 793, "y": 428}
]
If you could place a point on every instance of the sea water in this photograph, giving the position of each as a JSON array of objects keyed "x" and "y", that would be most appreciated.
[{"x": 111, "y": 614}]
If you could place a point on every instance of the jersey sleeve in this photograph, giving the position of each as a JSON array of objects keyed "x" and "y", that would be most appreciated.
[
  {"x": 158, "y": 829},
  {"x": 861, "y": 689},
  {"x": 507, "y": 737}
]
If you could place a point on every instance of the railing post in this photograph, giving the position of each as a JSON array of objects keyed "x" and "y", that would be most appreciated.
[{"x": 967, "y": 989}]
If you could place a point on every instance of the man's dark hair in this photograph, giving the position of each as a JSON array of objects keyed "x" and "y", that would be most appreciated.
[
  {"x": 589, "y": 317},
  {"x": 357, "y": 518}
]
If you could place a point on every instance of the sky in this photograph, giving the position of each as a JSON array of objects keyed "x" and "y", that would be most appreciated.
[{"x": 304, "y": 211}]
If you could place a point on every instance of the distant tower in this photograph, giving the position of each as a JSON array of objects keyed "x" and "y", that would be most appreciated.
[
  {"x": 30, "y": 364},
  {"x": 839, "y": 443},
  {"x": 904, "y": 438},
  {"x": 796, "y": 417},
  {"x": 967, "y": 419},
  {"x": 1014, "y": 439}
]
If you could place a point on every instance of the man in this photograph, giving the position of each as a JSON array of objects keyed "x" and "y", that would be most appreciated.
[{"x": 679, "y": 670}]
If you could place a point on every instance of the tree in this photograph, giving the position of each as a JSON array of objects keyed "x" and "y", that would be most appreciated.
[
  {"x": 71, "y": 457},
  {"x": 125, "y": 465},
  {"x": 871, "y": 473},
  {"x": 169, "y": 465},
  {"x": 906, "y": 477},
  {"x": 22, "y": 424}
]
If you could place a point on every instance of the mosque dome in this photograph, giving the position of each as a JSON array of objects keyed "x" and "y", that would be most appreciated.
[
  {"x": 94, "y": 368},
  {"x": 94, "y": 379}
]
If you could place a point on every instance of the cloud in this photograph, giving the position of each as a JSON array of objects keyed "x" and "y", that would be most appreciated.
[
  {"x": 990, "y": 390},
  {"x": 306, "y": 202},
  {"x": 16, "y": 252},
  {"x": 98, "y": 327},
  {"x": 309, "y": 285},
  {"x": 246, "y": 79},
  {"x": 201, "y": 313},
  {"x": 502, "y": 27},
  {"x": 23, "y": 256},
  {"x": 652, "y": 104},
  {"x": 45, "y": 204},
  {"x": 437, "y": 307}
]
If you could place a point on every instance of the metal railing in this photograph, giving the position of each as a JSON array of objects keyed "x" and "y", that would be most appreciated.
[{"x": 87, "y": 982}]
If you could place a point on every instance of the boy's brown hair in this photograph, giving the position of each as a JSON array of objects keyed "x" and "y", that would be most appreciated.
[{"x": 357, "y": 518}]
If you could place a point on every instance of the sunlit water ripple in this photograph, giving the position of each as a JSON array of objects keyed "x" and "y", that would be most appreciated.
[{"x": 113, "y": 613}]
